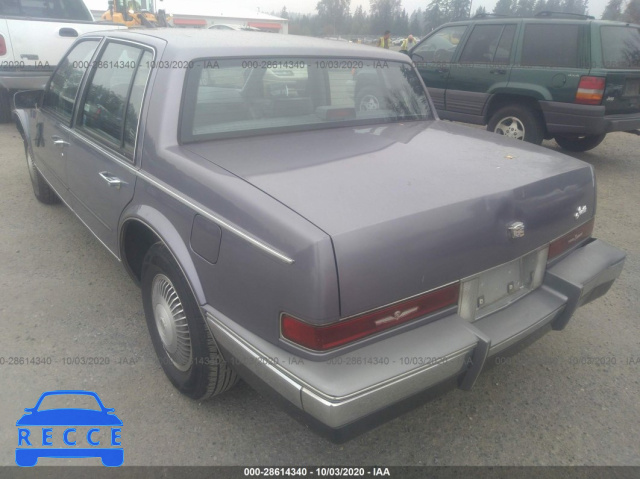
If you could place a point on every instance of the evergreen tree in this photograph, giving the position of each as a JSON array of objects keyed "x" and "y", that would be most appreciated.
[
  {"x": 459, "y": 10},
  {"x": 284, "y": 13},
  {"x": 540, "y": 6},
  {"x": 505, "y": 7},
  {"x": 436, "y": 14},
  {"x": 415, "y": 22},
  {"x": 480, "y": 11},
  {"x": 632, "y": 11},
  {"x": 524, "y": 8}
]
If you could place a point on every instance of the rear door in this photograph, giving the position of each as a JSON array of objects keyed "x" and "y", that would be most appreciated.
[
  {"x": 553, "y": 57},
  {"x": 102, "y": 169},
  {"x": 433, "y": 59},
  {"x": 482, "y": 69},
  {"x": 621, "y": 67}
]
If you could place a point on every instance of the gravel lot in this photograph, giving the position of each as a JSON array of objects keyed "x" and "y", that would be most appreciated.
[{"x": 62, "y": 295}]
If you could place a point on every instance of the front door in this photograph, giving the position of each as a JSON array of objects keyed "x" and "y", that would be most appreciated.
[
  {"x": 433, "y": 59},
  {"x": 102, "y": 171},
  {"x": 49, "y": 134}
]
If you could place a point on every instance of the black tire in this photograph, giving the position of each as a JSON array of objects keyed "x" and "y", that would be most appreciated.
[
  {"x": 183, "y": 343},
  {"x": 369, "y": 98},
  {"x": 5, "y": 106},
  {"x": 519, "y": 122},
  {"x": 580, "y": 143},
  {"x": 41, "y": 189}
]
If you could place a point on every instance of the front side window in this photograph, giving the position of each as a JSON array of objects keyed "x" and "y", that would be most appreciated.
[
  {"x": 440, "y": 47},
  {"x": 620, "y": 47},
  {"x": 230, "y": 98},
  {"x": 114, "y": 95},
  {"x": 551, "y": 45},
  {"x": 46, "y": 9},
  {"x": 60, "y": 95}
]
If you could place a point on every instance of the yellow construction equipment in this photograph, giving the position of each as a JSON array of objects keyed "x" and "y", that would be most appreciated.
[{"x": 133, "y": 13}]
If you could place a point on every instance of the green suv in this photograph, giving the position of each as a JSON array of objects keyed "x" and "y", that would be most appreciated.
[{"x": 572, "y": 79}]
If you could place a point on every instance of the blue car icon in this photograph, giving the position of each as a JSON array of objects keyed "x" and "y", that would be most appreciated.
[{"x": 71, "y": 418}]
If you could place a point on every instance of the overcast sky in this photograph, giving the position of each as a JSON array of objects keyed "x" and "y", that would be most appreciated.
[{"x": 596, "y": 7}]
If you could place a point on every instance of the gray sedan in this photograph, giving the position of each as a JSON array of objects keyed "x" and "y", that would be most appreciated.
[{"x": 344, "y": 256}]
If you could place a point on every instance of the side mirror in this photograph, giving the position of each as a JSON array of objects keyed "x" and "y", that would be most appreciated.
[
  {"x": 416, "y": 57},
  {"x": 27, "y": 99}
]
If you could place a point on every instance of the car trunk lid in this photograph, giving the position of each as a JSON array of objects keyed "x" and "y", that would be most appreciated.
[{"x": 412, "y": 207}]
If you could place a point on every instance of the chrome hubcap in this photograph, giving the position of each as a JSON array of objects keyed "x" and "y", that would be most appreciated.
[
  {"x": 171, "y": 322},
  {"x": 369, "y": 102},
  {"x": 511, "y": 127}
]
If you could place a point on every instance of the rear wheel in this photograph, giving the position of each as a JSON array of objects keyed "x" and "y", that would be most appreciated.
[
  {"x": 183, "y": 343},
  {"x": 580, "y": 143},
  {"x": 41, "y": 189},
  {"x": 518, "y": 122}
]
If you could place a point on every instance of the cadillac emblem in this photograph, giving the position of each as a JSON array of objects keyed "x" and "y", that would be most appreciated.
[{"x": 516, "y": 229}]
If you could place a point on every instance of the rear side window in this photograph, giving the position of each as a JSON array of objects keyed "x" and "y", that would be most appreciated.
[
  {"x": 551, "y": 45},
  {"x": 48, "y": 9},
  {"x": 61, "y": 92},
  {"x": 620, "y": 47},
  {"x": 489, "y": 44}
]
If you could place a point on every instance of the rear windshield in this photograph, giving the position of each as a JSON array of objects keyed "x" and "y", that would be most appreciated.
[
  {"x": 47, "y": 9},
  {"x": 231, "y": 98},
  {"x": 620, "y": 47}
]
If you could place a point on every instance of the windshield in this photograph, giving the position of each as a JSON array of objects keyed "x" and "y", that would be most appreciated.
[
  {"x": 621, "y": 47},
  {"x": 232, "y": 98}
]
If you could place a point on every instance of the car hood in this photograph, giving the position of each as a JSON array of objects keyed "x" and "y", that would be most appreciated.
[
  {"x": 413, "y": 206},
  {"x": 69, "y": 417}
]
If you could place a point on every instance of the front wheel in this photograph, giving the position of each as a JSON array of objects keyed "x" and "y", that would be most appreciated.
[
  {"x": 518, "y": 122},
  {"x": 183, "y": 343},
  {"x": 579, "y": 143}
]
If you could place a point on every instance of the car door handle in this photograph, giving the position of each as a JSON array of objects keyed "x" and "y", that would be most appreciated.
[
  {"x": 68, "y": 32},
  {"x": 498, "y": 71},
  {"x": 59, "y": 141},
  {"x": 112, "y": 180},
  {"x": 442, "y": 70}
]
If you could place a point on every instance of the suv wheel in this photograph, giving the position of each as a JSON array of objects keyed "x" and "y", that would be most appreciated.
[
  {"x": 579, "y": 143},
  {"x": 518, "y": 122},
  {"x": 183, "y": 343},
  {"x": 368, "y": 98},
  {"x": 41, "y": 189}
]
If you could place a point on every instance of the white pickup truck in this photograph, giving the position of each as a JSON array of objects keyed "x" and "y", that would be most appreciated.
[{"x": 34, "y": 35}]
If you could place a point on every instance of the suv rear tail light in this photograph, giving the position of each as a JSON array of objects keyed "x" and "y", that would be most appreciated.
[
  {"x": 590, "y": 90},
  {"x": 323, "y": 338},
  {"x": 568, "y": 241},
  {"x": 3, "y": 46}
]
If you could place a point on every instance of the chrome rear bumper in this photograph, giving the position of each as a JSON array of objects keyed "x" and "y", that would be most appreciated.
[{"x": 360, "y": 383}]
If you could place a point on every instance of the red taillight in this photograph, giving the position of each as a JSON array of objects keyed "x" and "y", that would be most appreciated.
[
  {"x": 590, "y": 90},
  {"x": 322, "y": 338},
  {"x": 3, "y": 46},
  {"x": 568, "y": 241}
]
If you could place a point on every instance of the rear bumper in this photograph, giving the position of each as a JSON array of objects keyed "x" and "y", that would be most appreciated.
[
  {"x": 361, "y": 385},
  {"x": 570, "y": 118}
]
